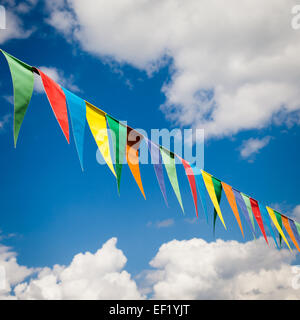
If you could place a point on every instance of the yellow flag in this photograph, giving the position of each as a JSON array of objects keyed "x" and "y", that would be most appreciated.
[
  {"x": 211, "y": 191},
  {"x": 97, "y": 123},
  {"x": 272, "y": 215}
]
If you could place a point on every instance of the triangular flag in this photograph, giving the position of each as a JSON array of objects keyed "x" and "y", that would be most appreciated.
[
  {"x": 190, "y": 175},
  {"x": 57, "y": 100},
  {"x": 119, "y": 138},
  {"x": 77, "y": 110},
  {"x": 157, "y": 165},
  {"x": 278, "y": 217},
  {"x": 249, "y": 208},
  {"x": 295, "y": 231},
  {"x": 97, "y": 123},
  {"x": 241, "y": 203},
  {"x": 23, "y": 81},
  {"x": 231, "y": 200},
  {"x": 132, "y": 155},
  {"x": 257, "y": 215},
  {"x": 267, "y": 220},
  {"x": 218, "y": 190},
  {"x": 201, "y": 189},
  {"x": 212, "y": 193},
  {"x": 287, "y": 226},
  {"x": 275, "y": 221},
  {"x": 298, "y": 227},
  {"x": 169, "y": 163}
]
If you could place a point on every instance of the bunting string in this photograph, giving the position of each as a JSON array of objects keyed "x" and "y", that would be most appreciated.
[{"x": 126, "y": 144}]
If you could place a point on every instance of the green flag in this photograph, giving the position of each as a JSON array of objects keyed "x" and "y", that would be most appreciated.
[
  {"x": 23, "y": 80},
  {"x": 218, "y": 190},
  {"x": 169, "y": 163},
  {"x": 297, "y": 226},
  {"x": 249, "y": 208},
  {"x": 278, "y": 217},
  {"x": 119, "y": 139}
]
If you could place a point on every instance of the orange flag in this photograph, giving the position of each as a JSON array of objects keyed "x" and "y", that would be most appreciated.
[
  {"x": 132, "y": 155},
  {"x": 231, "y": 199},
  {"x": 289, "y": 230}
]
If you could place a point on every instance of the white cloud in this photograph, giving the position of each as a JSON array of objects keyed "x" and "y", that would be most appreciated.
[
  {"x": 89, "y": 276},
  {"x": 234, "y": 66},
  {"x": 196, "y": 269},
  {"x": 161, "y": 224},
  {"x": 14, "y": 273},
  {"x": 253, "y": 146},
  {"x": 165, "y": 223},
  {"x": 296, "y": 213},
  {"x": 191, "y": 220},
  {"x": 4, "y": 121},
  {"x": 187, "y": 269},
  {"x": 14, "y": 26},
  {"x": 57, "y": 76}
]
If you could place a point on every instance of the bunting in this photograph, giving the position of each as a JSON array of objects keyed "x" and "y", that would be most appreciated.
[
  {"x": 157, "y": 164},
  {"x": 279, "y": 228},
  {"x": 132, "y": 155},
  {"x": 295, "y": 231},
  {"x": 201, "y": 189},
  {"x": 267, "y": 220},
  {"x": 77, "y": 111},
  {"x": 97, "y": 123},
  {"x": 278, "y": 217},
  {"x": 249, "y": 209},
  {"x": 57, "y": 101},
  {"x": 289, "y": 230},
  {"x": 231, "y": 200},
  {"x": 119, "y": 138},
  {"x": 241, "y": 203},
  {"x": 298, "y": 227},
  {"x": 169, "y": 163},
  {"x": 190, "y": 175},
  {"x": 23, "y": 81},
  {"x": 257, "y": 215},
  {"x": 126, "y": 141},
  {"x": 212, "y": 193},
  {"x": 218, "y": 191}
]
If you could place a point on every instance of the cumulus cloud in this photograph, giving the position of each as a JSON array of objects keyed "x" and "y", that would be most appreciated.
[
  {"x": 253, "y": 146},
  {"x": 11, "y": 272},
  {"x": 89, "y": 276},
  {"x": 187, "y": 269},
  {"x": 233, "y": 66},
  {"x": 196, "y": 269},
  {"x": 56, "y": 75}
]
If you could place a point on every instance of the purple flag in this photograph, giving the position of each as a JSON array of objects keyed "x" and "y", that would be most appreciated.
[
  {"x": 295, "y": 231},
  {"x": 158, "y": 168},
  {"x": 240, "y": 201}
]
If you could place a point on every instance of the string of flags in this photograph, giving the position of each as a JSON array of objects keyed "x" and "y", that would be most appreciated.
[{"x": 66, "y": 104}]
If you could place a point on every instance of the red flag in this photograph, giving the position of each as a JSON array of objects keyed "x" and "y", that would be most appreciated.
[
  {"x": 57, "y": 101},
  {"x": 257, "y": 215},
  {"x": 190, "y": 174}
]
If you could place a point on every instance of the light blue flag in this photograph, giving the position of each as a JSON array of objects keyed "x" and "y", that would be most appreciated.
[
  {"x": 77, "y": 109},
  {"x": 201, "y": 188},
  {"x": 267, "y": 221}
]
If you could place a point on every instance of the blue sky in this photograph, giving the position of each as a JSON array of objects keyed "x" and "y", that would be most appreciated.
[{"x": 55, "y": 210}]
